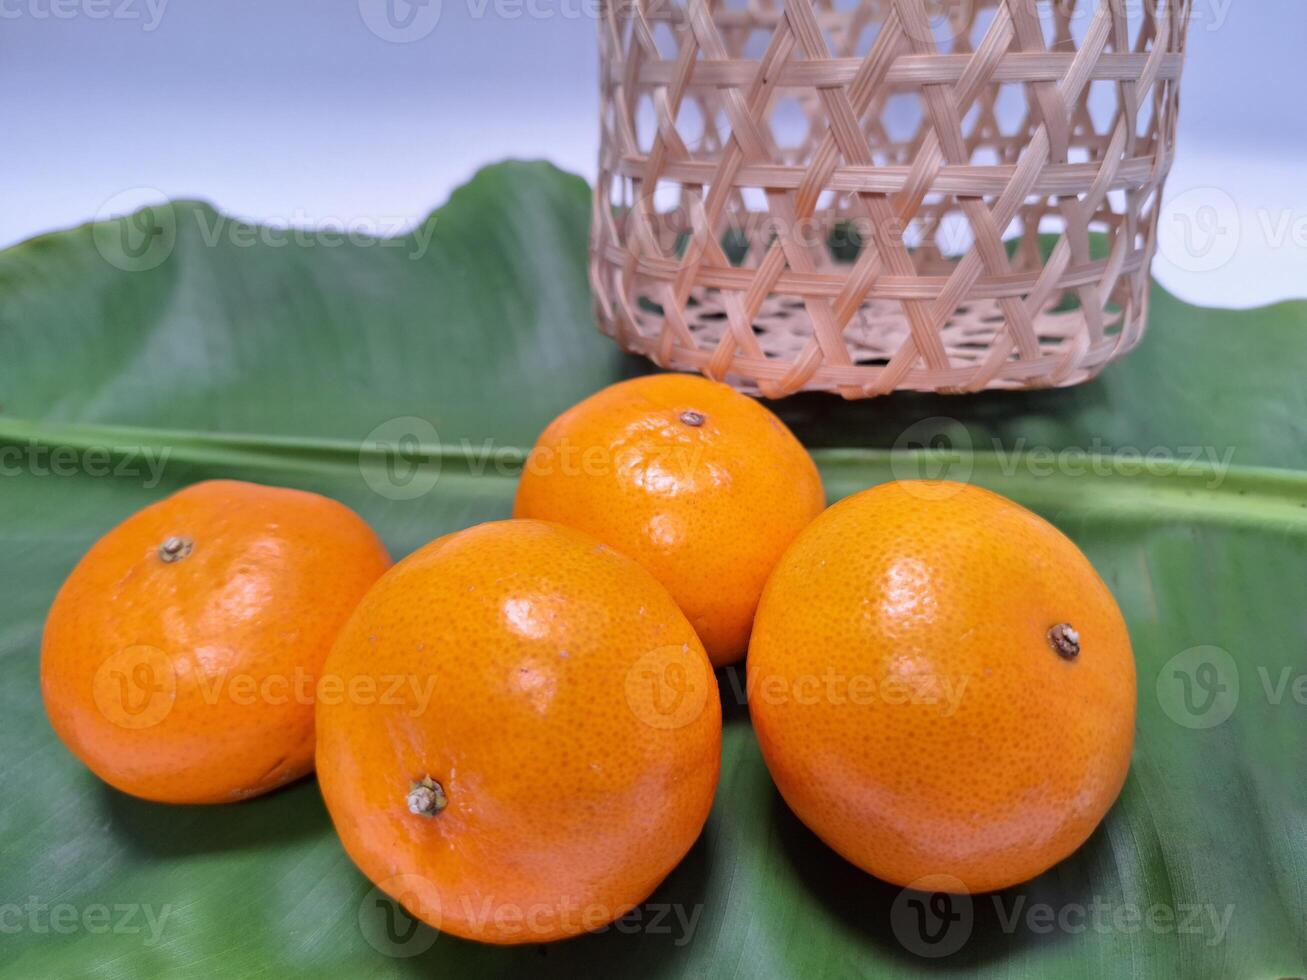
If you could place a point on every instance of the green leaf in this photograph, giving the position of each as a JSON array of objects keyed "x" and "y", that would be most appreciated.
[{"x": 123, "y": 378}]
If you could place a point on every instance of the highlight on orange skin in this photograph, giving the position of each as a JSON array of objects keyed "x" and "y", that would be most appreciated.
[
  {"x": 700, "y": 484},
  {"x": 181, "y": 657}
]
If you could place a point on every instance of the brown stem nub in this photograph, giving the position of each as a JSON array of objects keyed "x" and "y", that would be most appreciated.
[
  {"x": 694, "y": 419},
  {"x": 426, "y": 797},
  {"x": 1065, "y": 641},
  {"x": 175, "y": 548}
]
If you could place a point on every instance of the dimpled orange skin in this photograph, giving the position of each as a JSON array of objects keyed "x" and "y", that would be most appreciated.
[
  {"x": 565, "y": 808},
  {"x": 916, "y": 589},
  {"x": 272, "y": 575},
  {"x": 707, "y": 508}
]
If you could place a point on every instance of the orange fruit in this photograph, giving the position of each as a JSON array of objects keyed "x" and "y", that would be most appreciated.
[
  {"x": 942, "y": 686},
  {"x": 550, "y": 746},
  {"x": 180, "y": 657},
  {"x": 700, "y": 484}
]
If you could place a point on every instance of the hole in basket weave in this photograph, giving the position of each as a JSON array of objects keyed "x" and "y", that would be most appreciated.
[
  {"x": 844, "y": 242},
  {"x": 736, "y": 246}
]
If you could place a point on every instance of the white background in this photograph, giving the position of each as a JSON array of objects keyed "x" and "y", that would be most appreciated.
[{"x": 297, "y": 111}]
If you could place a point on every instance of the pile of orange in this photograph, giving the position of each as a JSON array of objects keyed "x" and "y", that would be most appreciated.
[{"x": 517, "y": 728}]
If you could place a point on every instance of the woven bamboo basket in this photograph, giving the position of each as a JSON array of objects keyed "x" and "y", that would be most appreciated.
[{"x": 866, "y": 195}]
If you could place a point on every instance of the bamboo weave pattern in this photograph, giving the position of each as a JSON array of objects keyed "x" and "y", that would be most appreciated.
[{"x": 864, "y": 195}]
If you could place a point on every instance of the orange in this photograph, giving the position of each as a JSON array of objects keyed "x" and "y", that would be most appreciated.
[
  {"x": 700, "y": 484},
  {"x": 942, "y": 686},
  {"x": 180, "y": 657},
  {"x": 534, "y": 738}
]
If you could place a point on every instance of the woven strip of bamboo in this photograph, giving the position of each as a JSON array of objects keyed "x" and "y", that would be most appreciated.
[{"x": 945, "y": 195}]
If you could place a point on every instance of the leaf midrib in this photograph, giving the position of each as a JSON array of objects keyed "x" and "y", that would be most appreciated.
[{"x": 1108, "y": 484}]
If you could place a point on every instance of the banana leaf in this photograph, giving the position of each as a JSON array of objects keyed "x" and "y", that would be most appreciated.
[{"x": 407, "y": 377}]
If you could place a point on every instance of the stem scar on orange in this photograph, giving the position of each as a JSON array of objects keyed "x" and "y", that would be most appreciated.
[
  {"x": 551, "y": 743},
  {"x": 180, "y": 658},
  {"x": 700, "y": 484},
  {"x": 942, "y": 686}
]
